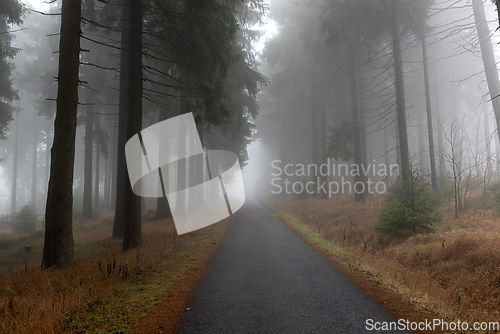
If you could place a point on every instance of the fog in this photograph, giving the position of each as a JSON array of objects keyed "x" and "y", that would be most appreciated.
[
  {"x": 309, "y": 98},
  {"x": 283, "y": 151},
  {"x": 308, "y": 54}
]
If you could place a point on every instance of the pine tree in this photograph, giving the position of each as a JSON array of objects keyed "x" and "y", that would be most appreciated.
[
  {"x": 10, "y": 14},
  {"x": 411, "y": 208},
  {"x": 58, "y": 246}
]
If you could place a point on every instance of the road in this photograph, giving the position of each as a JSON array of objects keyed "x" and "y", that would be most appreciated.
[{"x": 264, "y": 279}]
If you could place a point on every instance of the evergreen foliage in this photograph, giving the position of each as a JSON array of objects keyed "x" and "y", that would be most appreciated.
[
  {"x": 24, "y": 221},
  {"x": 411, "y": 208},
  {"x": 341, "y": 140},
  {"x": 10, "y": 14}
]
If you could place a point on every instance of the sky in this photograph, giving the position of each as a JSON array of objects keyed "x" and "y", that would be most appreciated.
[{"x": 36, "y": 4}]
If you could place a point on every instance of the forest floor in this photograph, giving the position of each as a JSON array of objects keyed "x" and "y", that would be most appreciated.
[
  {"x": 107, "y": 290},
  {"x": 453, "y": 274},
  {"x": 450, "y": 275}
]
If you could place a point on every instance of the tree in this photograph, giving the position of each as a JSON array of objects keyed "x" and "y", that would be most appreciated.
[
  {"x": 488, "y": 57},
  {"x": 400, "y": 93},
  {"x": 132, "y": 236},
  {"x": 87, "y": 178},
  {"x": 13, "y": 196},
  {"x": 193, "y": 54},
  {"x": 162, "y": 206},
  {"x": 411, "y": 208},
  {"x": 347, "y": 23},
  {"x": 25, "y": 220},
  {"x": 121, "y": 177},
  {"x": 10, "y": 14},
  {"x": 58, "y": 244},
  {"x": 429, "y": 114}
]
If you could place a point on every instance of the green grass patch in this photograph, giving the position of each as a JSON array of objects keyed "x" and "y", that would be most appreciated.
[
  {"x": 136, "y": 295},
  {"x": 315, "y": 238}
]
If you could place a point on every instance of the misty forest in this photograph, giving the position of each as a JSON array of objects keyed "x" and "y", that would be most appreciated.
[{"x": 366, "y": 128}]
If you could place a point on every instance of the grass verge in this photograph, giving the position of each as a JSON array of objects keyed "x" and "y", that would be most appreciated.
[
  {"x": 453, "y": 274},
  {"x": 106, "y": 291}
]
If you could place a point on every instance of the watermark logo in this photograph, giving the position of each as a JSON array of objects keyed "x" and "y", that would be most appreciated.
[
  {"x": 372, "y": 174},
  {"x": 431, "y": 325},
  {"x": 168, "y": 160}
]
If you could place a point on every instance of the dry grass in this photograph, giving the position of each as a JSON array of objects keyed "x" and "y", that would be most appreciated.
[
  {"x": 455, "y": 272},
  {"x": 46, "y": 301}
]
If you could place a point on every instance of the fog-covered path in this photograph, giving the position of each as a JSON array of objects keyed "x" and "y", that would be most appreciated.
[{"x": 264, "y": 279}]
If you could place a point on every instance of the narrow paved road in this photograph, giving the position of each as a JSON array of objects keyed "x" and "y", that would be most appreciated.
[{"x": 264, "y": 279}]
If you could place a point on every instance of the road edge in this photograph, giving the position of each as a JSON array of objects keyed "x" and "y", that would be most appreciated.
[{"x": 391, "y": 301}]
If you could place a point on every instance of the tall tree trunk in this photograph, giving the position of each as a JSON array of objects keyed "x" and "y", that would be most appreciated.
[
  {"x": 400, "y": 94},
  {"x": 97, "y": 167},
  {"x": 497, "y": 152},
  {"x": 421, "y": 142},
  {"x": 315, "y": 147},
  {"x": 439, "y": 129},
  {"x": 359, "y": 196},
  {"x": 162, "y": 205},
  {"x": 47, "y": 162},
  {"x": 192, "y": 203},
  {"x": 87, "y": 177},
  {"x": 322, "y": 137},
  {"x": 132, "y": 236},
  {"x": 201, "y": 162},
  {"x": 107, "y": 182},
  {"x": 108, "y": 175},
  {"x": 34, "y": 166},
  {"x": 489, "y": 170},
  {"x": 429, "y": 114},
  {"x": 361, "y": 121},
  {"x": 13, "y": 193},
  {"x": 58, "y": 244},
  {"x": 121, "y": 177},
  {"x": 490, "y": 67},
  {"x": 396, "y": 146},
  {"x": 113, "y": 166},
  {"x": 180, "y": 203}
]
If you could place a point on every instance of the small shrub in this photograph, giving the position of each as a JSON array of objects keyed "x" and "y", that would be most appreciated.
[
  {"x": 411, "y": 208},
  {"x": 494, "y": 189},
  {"x": 492, "y": 194},
  {"x": 5, "y": 221},
  {"x": 25, "y": 220}
]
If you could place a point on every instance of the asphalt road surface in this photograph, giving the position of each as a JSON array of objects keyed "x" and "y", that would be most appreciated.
[{"x": 264, "y": 279}]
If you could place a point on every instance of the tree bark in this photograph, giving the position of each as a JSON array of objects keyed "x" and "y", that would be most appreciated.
[
  {"x": 489, "y": 170},
  {"x": 314, "y": 123},
  {"x": 359, "y": 196},
  {"x": 113, "y": 166},
  {"x": 439, "y": 129},
  {"x": 13, "y": 193},
  {"x": 490, "y": 67},
  {"x": 132, "y": 236},
  {"x": 180, "y": 205},
  {"x": 107, "y": 182},
  {"x": 162, "y": 205},
  {"x": 47, "y": 163},
  {"x": 87, "y": 175},
  {"x": 429, "y": 114},
  {"x": 58, "y": 243},
  {"x": 322, "y": 137},
  {"x": 34, "y": 166},
  {"x": 97, "y": 167},
  {"x": 121, "y": 177},
  {"x": 400, "y": 94},
  {"x": 421, "y": 142}
]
